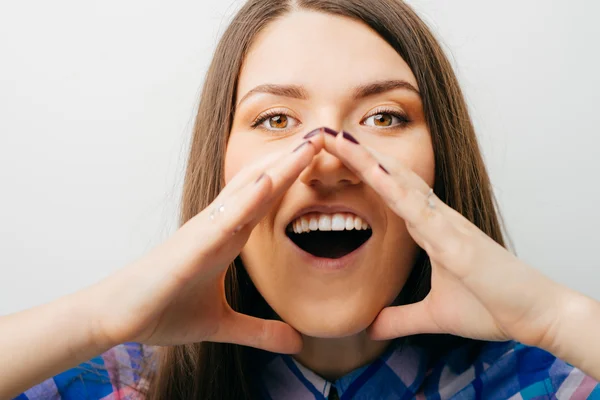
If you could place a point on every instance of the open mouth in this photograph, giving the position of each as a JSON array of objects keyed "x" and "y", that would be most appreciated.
[{"x": 320, "y": 240}]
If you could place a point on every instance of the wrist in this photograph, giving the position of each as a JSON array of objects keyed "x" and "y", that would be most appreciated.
[
  {"x": 572, "y": 337},
  {"x": 82, "y": 312},
  {"x": 89, "y": 306}
]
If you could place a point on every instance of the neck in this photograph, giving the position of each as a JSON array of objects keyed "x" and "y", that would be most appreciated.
[{"x": 332, "y": 358}]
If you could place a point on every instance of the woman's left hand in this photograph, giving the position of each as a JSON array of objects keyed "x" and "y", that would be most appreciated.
[{"x": 479, "y": 289}]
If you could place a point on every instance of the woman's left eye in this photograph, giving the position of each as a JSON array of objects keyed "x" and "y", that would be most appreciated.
[{"x": 386, "y": 119}]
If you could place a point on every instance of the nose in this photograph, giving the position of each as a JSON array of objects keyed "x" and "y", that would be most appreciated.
[{"x": 328, "y": 173}]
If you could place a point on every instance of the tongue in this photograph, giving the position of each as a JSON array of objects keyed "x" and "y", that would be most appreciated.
[{"x": 330, "y": 244}]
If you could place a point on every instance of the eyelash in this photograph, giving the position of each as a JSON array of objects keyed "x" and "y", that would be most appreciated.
[
  {"x": 404, "y": 120},
  {"x": 266, "y": 115}
]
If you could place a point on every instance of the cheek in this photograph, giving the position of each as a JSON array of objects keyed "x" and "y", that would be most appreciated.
[
  {"x": 422, "y": 161},
  {"x": 422, "y": 158},
  {"x": 233, "y": 161},
  {"x": 240, "y": 153},
  {"x": 245, "y": 148},
  {"x": 412, "y": 148}
]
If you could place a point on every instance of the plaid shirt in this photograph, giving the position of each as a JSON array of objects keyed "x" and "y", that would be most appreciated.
[{"x": 501, "y": 370}]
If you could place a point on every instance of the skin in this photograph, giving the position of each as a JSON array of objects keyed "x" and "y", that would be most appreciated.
[
  {"x": 330, "y": 310},
  {"x": 478, "y": 289}
]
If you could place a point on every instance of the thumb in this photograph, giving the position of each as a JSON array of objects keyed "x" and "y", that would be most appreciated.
[
  {"x": 271, "y": 335},
  {"x": 405, "y": 320}
]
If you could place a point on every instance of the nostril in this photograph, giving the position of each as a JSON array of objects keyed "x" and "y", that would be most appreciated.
[{"x": 340, "y": 183}]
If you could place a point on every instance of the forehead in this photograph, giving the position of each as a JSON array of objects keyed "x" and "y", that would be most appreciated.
[{"x": 325, "y": 53}]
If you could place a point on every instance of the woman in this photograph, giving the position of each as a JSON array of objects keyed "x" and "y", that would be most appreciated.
[{"x": 339, "y": 239}]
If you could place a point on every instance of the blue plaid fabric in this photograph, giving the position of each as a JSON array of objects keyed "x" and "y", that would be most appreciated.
[
  {"x": 500, "y": 370},
  {"x": 112, "y": 375}
]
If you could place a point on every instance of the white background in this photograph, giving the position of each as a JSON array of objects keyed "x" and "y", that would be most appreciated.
[{"x": 97, "y": 101}]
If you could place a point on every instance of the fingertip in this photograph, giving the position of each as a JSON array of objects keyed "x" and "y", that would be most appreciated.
[
  {"x": 291, "y": 339},
  {"x": 294, "y": 347},
  {"x": 318, "y": 142},
  {"x": 373, "y": 331},
  {"x": 341, "y": 145}
]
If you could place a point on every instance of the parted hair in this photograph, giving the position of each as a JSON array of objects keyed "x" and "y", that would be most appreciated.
[{"x": 228, "y": 371}]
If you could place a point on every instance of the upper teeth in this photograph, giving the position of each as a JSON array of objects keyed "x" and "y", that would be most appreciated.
[{"x": 328, "y": 222}]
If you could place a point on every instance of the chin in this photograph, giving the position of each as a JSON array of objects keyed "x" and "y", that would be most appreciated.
[{"x": 328, "y": 323}]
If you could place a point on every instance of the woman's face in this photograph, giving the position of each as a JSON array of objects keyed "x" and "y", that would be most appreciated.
[{"x": 326, "y": 58}]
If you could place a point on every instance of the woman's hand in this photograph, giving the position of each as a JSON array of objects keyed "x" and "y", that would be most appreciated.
[
  {"x": 478, "y": 289},
  {"x": 175, "y": 293}
]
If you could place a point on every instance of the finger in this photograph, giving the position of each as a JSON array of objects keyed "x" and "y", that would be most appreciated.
[
  {"x": 369, "y": 165},
  {"x": 218, "y": 233},
  {"x": 265, "y": 165},
  {"x": 405, "y": 320},
  {"x": 395, "y": 168},
  {"x": 282, "y": 175},
  {"x": 450, "y": 240},
  {"x": 252, "y": 172},
  {"x": 436, "y": 227},
  {"x": 270, "y": 335},
  {"x": 249, "y": 174}
]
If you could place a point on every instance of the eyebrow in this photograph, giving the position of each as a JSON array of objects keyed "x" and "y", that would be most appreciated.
[{"x": 359, "y": 92}]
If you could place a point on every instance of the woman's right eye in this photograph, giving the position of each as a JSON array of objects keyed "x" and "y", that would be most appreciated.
[
  {"x": 274, "y": 121},
  {"x": 278, "y": 121}
]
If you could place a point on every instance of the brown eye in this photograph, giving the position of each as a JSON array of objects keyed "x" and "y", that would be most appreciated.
[
  {"x": 275, "y": 121},
  {"x": 278, "y": 121},
  {"x": 388, "y": 119},
  {"x": 382, "y": 119}
]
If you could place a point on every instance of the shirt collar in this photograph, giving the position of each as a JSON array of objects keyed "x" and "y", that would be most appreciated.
[{"x": 398, "y": 373}]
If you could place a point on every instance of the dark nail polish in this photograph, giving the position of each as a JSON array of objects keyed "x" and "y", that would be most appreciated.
[
  {"x": 330, "y": 131},
  {"x": 349, "y": 137},
  {"x": 383, "y": 169},
  {"x": 260, "y": 177},
  {"x": 312, "y": 133},
  {"x": 301, "y": 144}
]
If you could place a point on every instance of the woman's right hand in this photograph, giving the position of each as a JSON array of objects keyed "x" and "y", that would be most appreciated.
[{"x": 175, "y": 293}]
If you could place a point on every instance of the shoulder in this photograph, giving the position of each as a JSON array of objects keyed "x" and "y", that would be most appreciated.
[
  {"x": 510, "y": 370},
  {"x": 114, "y": 374}
]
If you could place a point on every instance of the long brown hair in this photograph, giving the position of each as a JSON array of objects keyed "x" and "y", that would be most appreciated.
[{"x": 227, "y": 371}]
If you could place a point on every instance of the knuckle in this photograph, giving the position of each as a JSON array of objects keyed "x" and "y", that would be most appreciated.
[
  {"x": 457, "y": 250},
  {"x": 266, "y": 333},
  {"x": 263, "y": 335},
  {"x": 400, "y": 196},
  {"x": 222, "y": 230}
]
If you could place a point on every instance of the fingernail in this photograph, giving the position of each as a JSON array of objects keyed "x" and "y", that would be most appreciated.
[
  {"x": 330, "y": 131},
  {"x": 301, "y": 144},
  {"x": 312, "y": 133},
  {"x": 260, "y": 177},
  {"x": 349, "y": 137},
  {"x": 383, "y": 169}
]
